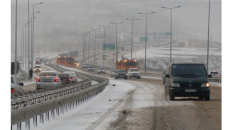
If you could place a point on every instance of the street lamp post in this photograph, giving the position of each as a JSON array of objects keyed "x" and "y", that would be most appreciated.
[
  {"x": 89, "y": 45},
  {"x": 104, "y": 43},
  {"x": 83, "y": 41},
  {"x": 171, "y": 30},
  {"x": 15, "y": 49},
  {"x": 32, "y": 43},
  {"x": 116, "y": 39},
  {"x": 146, "y": 14},
  {"x": 132, "y": 37},
  {"x": 28, "y": 37},
  {"x": 95, "y": 43},
  {"x": 208, "y": 33}
]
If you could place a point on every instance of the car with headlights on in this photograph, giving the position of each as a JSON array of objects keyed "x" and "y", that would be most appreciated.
[
  {"x": 120, "y": 73},
  {"x": 90, "y": 69},
  {"x": 101, "y": 70},
  {"x": 16, "y": 86},
  {"x": 37, "y": 68},
  {"x": 48, "y": 79},
  {"x": 133, "y": 72},
  {"x": 187, "y": 80}
]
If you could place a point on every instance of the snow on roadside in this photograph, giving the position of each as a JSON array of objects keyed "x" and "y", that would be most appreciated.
[{"x": 84, "y": 115}]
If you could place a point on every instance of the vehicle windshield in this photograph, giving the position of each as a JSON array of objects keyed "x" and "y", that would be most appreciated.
[
  {"x": 12, "y": 80},
  {"x": 188, "y": 69},
  {"x": 37, "y": 67},
  {"x": 101, "y": 68},
  {"x": 121, "y": 70},
  {"x": 90, "y": 67},
  {"x": 47, "y": 74},
  {"x": 70, "y": 59},
  {"x": 61, "y": 58},
  {"x": 130, "y": 64},
  {"x": 119, "y": 63},
  {"x": 133, "y": 70},
  {"x": 71, "y": 74},
  {"x": 214, "y": 72}
]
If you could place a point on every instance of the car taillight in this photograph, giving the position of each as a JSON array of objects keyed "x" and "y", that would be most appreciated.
[
  {"x": 55, "y": 79},
  {"x": 37, "y": 79},
  {"x": 218, "y": 75},
  {"x": 69, "y": 79},
  {"x": 73, "y": 77},
  {"x": 12, "y": 90}
]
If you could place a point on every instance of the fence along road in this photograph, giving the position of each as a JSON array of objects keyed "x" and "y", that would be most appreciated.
[{"x": 37, "y": 103}]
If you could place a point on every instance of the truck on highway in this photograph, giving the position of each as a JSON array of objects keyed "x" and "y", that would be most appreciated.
[
  {"x": 69, "y": 62},
  {"x": 126, "y": 64},
  {"x": 60, "y": 60}
]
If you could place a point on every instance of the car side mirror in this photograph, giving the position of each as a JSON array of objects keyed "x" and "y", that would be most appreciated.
[
  {"x": 209, "y": 76},
  {"x": 21, "y": 84},
  {"x": 167, "y": 75}
]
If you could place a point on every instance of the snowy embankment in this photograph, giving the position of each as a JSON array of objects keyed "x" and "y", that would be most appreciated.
[{"x": 158, "y": 57}]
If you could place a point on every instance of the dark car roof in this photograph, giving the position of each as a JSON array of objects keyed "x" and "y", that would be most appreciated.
[{"x": 186, "y": 63}]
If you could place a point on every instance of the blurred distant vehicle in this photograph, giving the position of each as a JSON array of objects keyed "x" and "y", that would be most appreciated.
[
  {"x": 16, "y": 87},
  {"x": 133, "y": 72},
  {"x": 120, "y": 73},
  {"x": 72, "y": 74},
  {"x": 85, "y": 65},
  {"x": 112, "y": 74},
  {"x": 214, "y": 74},
  {"x": 48, "y": 79},
  {"x": 37, "y": 68},
  {"x": 101, "y": 70},
  {"x": 90, "y": 68},
  {"x": 65, "y": 78},
  {"x": 37, "y": 62}
]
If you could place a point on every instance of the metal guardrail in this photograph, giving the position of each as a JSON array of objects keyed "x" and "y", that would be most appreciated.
[
  {"x": 215, "y": 79},
  {"x": 32, "y": 105}
]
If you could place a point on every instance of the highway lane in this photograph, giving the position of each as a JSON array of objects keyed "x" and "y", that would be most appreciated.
[{"x": 147, "y": 107}]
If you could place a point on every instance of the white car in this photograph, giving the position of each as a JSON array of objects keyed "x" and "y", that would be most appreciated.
[
  {"x": 133, "y": 72},
  {"x": 90, "y": 68},
  {"x": 16, "y": 87},
  {"x": 37, "y": 68},
  {"x": 48, "y": 79},
  {"x": 214, "y": 74},
  {"x": 72, "y": 75},
  {"x": 101, "y": 70},
  {"x": 85, "y": 65}
]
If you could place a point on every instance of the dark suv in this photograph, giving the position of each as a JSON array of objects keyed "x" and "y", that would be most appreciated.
[{"x": 187, "y": 80}]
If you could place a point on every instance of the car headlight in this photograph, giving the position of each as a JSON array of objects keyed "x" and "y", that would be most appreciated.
[
  {"x": 175, "y": 84},
  {"x": 40, "y": 69},
  {"x": 34, "y": 69},
  {"x": 205, "y": 85}
]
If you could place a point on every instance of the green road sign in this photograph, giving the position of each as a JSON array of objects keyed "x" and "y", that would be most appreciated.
[
  {"x": 108, "y": 47},
  {"x": 167, "y": 33},
  {"x": 143, "y": 38}
]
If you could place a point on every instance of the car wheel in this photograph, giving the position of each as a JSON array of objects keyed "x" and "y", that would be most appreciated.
[
  {"x": 207, "y": 98},
  {"x": 171, "y": 97}
]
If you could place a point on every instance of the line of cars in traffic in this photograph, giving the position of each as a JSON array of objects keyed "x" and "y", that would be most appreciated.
[
  {"x": 116, "y": 73},
  {"x": 46, "y": 79}
]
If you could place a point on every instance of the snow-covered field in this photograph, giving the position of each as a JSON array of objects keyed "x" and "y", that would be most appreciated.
[{"x": 182, "y": 51}]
